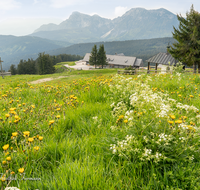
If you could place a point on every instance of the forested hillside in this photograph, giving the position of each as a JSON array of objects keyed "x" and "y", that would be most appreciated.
[
  {"x": 143, "y": 49},
  {"x": 13, "y": 48}
]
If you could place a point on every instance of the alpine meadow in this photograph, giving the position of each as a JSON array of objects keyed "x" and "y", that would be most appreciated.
[{"x": 103, "y": 121}]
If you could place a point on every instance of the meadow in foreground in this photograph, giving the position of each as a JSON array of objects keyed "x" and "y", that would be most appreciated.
[{"x": 101, "y": 132}]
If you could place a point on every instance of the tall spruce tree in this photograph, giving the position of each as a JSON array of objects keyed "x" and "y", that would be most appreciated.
[
  {"x": 101, "y": 56},
  {"x": 93, "y": 56},
  {"x": 187, "y": 46},
  {"x": 45, "y": 64}
]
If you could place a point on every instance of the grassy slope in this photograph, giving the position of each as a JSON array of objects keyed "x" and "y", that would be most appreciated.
[{"x": 75, "y": 151}]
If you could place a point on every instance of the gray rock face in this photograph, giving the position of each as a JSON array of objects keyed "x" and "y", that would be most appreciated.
[{"x": 137, "y": 23}]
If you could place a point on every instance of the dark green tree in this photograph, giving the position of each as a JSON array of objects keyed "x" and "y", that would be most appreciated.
[
  {"x": 101, "y": 56},
  {"x": 186, "y": 48},
  {"x": 45, "y": 64},
  {"x": 93, "y": 57},
  {"x": 13, "y": 70}
]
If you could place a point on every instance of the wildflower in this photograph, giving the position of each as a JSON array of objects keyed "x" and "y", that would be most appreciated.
[
  {"x": 33, "y": 106},
  {"x": 21, "y": 170},
  {"x": 121, "y": 117},
  {"x": 58, "y": 116},
  {"x": 12, "y": 109},
  {"x": 3, "y": 162},
  {"x": 172, "y": 116},
  {"x": 170, "y": 122},
  {"x": 12, "y": 172},
  {"x": 179, "y": 121},
  {"x": 8, "y": 158},
  {"x": 6, "y": 153},
  {"x": 26, "y": 133},
  {"x": 5, "y": 147},
  {"x": 7, "y": 115},
  {"x": 3, "y": 178},
  {"x": 14, "y": 134},
  {"x": 36, "y": 148},
  {"x": 16, "y": 117},
  {"x": 191, "y": 96},
  {"x": 126, "y": 121},
  {"x": 30, "y": 139},
  {"x": 40, "y": 138},
  {"x": 51, "y": 122}
]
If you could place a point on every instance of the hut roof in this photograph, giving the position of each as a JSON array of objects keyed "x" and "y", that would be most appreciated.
[
  {"x": 163, "y": 58},
  {"x": 119, "y": 60}
]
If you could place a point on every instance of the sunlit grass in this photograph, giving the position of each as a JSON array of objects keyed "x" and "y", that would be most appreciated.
[{"x": 77, "y": 126}]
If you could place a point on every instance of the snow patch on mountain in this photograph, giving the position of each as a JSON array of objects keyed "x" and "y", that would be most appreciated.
[{"x": 106, "y": 34}]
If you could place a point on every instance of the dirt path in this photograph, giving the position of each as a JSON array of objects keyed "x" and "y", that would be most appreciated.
[{"x": 46, "y": 80}]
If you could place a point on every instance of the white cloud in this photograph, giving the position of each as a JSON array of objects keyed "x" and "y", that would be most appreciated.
[
  {"x": 35, "y": 2},
  {"x": 65, "y": 3},
  {"x": 119, "y": 11},
  {"x": 9, "y": 4}
]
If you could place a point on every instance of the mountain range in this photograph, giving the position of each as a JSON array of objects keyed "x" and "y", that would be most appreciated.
[
  {"x": 137, "y": 23},
  {"x": 78, "y": 33}
]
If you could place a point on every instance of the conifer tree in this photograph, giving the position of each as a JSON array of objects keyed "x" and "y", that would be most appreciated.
[
  {"x": 101, "y": 56},
  {"x": 13, "y": 70},
  {"x": 187, "y": 46},
  {"x": 45, "y": 64},
  {"x": 93, "y": 56}
]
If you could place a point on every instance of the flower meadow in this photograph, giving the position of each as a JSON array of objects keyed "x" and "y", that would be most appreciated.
[{"x": 100, "y": 131}]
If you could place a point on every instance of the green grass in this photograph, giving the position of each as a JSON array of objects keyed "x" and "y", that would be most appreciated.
[{"x": 75, "y": 151}]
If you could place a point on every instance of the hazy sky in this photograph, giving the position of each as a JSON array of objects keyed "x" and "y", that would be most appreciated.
[{"x": 22, "y": 17}]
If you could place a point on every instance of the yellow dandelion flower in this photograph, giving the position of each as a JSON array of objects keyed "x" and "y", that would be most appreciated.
[
  {"x": 14, "y": 134},
  {"x": 3, "y": 178},
  {"x": 172, "y": 116},
  {"x": 40, "y": 138},
  {"x": 12, "y": 172},
  {"x": 4, "y": 162},
  {"x": 121, "y": 117},
  {"x": 7, "y": 115},
  {"x": 51, "y": 122},
  {"x": 33, "y": 106},
  {"x": 58, "y": 109},
  {"x": 6, "y": 153},
  {"x": 5, "y": 147},
  {"x": 36, "y": 148},
  {"x": 126, "y": 121},
  {"x": 191, "y": 96},
  {"x": 12, "y": 109},
  {"x": 21, "y": 170},
  {"x": 26, "y": 133},
  {"x": 8, "y": 158},
  {"x": 58, "y": 116},
  {"x": 178, "y": 121},
  {"x": 170, "y": 122},
  {"x": 30, "y": 139},
  {"x": 16, "y": 117}
]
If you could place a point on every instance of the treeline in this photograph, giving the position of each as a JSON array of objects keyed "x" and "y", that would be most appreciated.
[
  {"x": 44, "y": 64},
  {"x": 143, "y": 49}
]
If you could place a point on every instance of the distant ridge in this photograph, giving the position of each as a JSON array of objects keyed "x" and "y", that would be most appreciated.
[
  {"x": 13, "y": 48},
  {"x": 143, "y": 49},
  {"x": 137, "y": 23}
]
